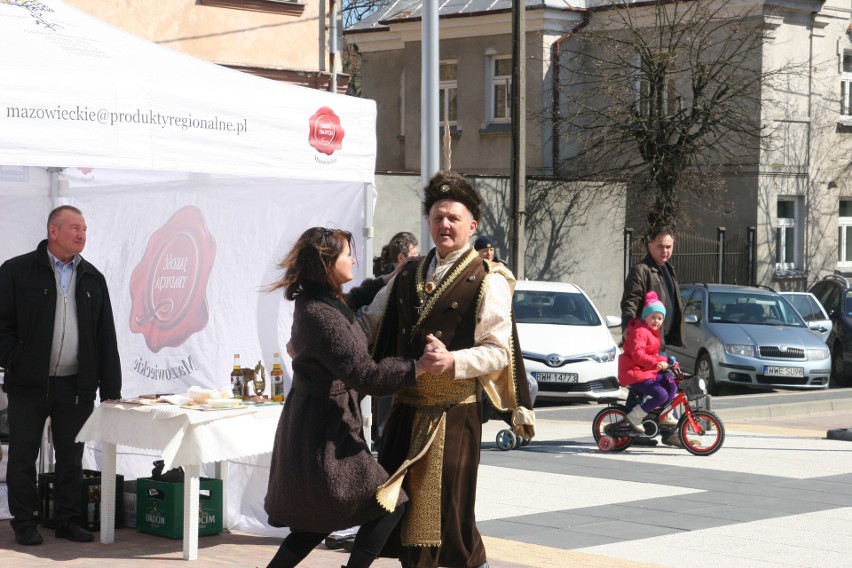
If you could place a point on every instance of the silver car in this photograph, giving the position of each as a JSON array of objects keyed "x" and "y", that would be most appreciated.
[
  {"x": 811, "y": 311},
  {"x": 750, "y": 337}
]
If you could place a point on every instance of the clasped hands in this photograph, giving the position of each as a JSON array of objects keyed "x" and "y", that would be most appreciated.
[{"x": 436, "y": 358}]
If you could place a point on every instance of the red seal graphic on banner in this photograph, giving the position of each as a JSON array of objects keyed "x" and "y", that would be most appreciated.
[
  {"x": 326, "y": 133},
  {"x": 169, "y": 285}
]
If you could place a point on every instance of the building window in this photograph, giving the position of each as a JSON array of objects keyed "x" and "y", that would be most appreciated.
[
  {"x": 654, "y": 93},
  {"x": 448, "y": 89},
  {"x": 787, "y": 235},
  {"x": 844, "y": 234},
  {"x": 846, "y": 85},
  {"x": 500, "y": 99}
]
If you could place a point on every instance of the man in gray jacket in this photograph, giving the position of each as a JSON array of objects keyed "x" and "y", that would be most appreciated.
[{"x": 58, "y": 346}]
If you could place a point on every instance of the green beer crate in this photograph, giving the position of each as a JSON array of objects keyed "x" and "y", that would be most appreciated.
[
  {"x": 159, "y": 507},
  {"x": 90, "y": 500}
]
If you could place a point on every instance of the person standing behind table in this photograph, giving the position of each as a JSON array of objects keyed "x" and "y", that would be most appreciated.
[
  {"x": 58, "y": 346},
  {"x": 484, "y": 245},
  {"x": 654, "y": 272},
  {"x": 323, "y": 476},
  {"x": 432, "y": 437},
  {"x": 401, "y": 246}
]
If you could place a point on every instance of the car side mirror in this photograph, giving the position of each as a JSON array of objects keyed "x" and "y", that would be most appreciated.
[
  {"x": 691, "y": 318},
  {"x": 816, "y": 326},
  {"x": 613, "y": 321}
]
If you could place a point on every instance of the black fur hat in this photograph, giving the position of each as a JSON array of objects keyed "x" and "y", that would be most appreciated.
[{"x": 450, "y": 185}]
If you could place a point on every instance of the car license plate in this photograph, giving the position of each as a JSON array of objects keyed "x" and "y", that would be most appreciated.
[
  {"x": 771, "y": 371},
  {"x": 556, "y": 377}
]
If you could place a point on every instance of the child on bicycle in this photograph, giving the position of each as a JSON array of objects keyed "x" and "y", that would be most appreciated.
[{"x": 642, "y": 367}]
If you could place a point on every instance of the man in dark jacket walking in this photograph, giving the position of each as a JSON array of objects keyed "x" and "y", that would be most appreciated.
[{"x": 58, "y": 346}]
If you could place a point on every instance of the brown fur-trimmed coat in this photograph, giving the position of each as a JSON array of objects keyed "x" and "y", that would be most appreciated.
[{"x": 323, "y": 476}]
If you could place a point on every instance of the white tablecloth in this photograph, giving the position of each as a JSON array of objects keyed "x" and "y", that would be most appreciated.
[{"x": 186, "y": 438}]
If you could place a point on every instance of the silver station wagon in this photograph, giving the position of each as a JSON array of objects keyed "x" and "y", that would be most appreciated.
[{"x": 750, "y": 337}]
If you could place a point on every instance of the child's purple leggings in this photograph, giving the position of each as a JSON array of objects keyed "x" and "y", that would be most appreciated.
[{"x": 661, "y": 390}]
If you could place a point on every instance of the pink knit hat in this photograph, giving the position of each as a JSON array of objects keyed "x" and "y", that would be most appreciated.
[{"x": 653, "y": 304}]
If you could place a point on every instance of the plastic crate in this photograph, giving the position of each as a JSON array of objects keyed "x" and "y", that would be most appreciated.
[
  {"x": 90, "y": 500},
  {"x": 159, "y": 507}
]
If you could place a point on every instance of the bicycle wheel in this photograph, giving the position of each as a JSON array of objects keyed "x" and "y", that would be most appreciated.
[
  {"x": 705, "y": 440},
  {"x": 604, "y": 425}
]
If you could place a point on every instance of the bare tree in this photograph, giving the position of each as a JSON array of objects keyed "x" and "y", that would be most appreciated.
[
  {"x": 353, "y": 12},
  {"x": 554, "y": 209},
  {"x": 665, "y": 97}
]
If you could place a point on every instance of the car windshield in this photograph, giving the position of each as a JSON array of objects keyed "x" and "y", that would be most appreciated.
[
  {"x": 541, "y": 306},
  {"x": 728, "y": 307}
]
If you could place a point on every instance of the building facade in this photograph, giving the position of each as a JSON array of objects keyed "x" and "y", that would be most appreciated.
[
  {"x": 291, "y": 41},
  {"x": 796, "y": 190}
]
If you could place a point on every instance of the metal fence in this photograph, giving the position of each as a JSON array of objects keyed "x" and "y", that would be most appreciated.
[{"x": 727, "y": 259}]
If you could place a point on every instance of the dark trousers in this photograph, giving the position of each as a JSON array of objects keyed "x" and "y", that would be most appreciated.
[{"x": 27, "y": 416}]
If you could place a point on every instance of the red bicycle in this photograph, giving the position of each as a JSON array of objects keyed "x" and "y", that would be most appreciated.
[{"x": 700, "y": 431}]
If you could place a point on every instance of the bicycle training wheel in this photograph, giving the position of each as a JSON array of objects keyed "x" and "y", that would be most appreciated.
[
  {"x": 707, "y": 438},
  {"x": 604, "y": 424}
]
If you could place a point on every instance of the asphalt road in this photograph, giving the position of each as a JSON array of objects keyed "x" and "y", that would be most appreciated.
[{"x": 778, "y": 494}]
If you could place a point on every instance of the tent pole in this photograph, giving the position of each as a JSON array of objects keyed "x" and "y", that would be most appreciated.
[
  {"x": 367, "y": 272},
  {"x": 368, "y": 231},
  {"x": 56, "y": 185}
]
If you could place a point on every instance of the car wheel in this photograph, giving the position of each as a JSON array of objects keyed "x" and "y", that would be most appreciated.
[
  {"x": 704, "y": 370},
  {"x": 837, "y": 378}
]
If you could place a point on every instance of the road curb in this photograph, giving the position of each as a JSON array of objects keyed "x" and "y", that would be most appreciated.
[{"x": 784, "y": 409}]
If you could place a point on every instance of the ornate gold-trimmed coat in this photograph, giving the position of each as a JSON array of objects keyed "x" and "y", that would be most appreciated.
[{"x": 432, "y": 438}]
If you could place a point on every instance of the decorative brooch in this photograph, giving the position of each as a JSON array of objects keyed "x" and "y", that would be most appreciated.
[
  {"x": 429, "y": 287},
  {"x": 445, "y": 188}
]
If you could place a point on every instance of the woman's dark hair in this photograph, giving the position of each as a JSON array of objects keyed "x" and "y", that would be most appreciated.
[{"x": 310, "y": 263}]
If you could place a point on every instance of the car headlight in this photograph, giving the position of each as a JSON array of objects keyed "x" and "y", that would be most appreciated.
[
  {"x": 743, "y": 350},
  {"x": 817, "y": 354},
  {"x": 604, "y": 356}
]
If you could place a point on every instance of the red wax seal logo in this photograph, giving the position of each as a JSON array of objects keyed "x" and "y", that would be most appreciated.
[
  {"x": 326, "y": 133},
  {"x": 169, "y": 285}
]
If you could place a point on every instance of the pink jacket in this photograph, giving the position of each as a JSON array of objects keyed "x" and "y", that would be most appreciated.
[{"x": 641, "y": 354}]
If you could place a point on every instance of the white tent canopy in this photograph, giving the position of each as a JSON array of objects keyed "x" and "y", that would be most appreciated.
[{"x": 194, "y": 181}]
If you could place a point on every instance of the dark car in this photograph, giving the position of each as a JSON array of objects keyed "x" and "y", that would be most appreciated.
[{"x": 834, "y": 292}]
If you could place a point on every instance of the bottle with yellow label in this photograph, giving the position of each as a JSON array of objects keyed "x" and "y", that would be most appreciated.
[
  {"x": 237, "y": 377},
  {"x": 277, "y": 375}
]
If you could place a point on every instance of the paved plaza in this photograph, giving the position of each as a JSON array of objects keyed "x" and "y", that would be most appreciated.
[{"x": 777, "y": 495}]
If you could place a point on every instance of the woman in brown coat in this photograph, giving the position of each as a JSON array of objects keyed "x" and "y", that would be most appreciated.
[{"x": 323, "y": 476}]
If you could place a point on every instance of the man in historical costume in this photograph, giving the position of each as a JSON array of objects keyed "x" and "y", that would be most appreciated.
[{"x": 454, "y": 308}]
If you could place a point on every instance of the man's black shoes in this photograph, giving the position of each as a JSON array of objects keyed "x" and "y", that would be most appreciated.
[
  {"x": 73, "y": 532},
  {"x": 28, "y": 537}
]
